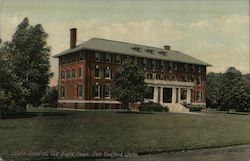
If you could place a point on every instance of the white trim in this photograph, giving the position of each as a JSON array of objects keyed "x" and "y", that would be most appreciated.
[{"x": 88, "y": 101}]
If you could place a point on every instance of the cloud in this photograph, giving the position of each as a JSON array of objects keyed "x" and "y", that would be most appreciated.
[{"x": 222, "y": 41}]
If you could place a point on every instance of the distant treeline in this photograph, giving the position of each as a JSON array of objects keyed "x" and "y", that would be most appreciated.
[{"x": 229, "y": 90}]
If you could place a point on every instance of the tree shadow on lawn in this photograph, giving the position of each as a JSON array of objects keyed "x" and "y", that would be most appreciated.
[
  {"x": 134, "y": 112},
  {"x": 35, "y": 114},
  {"x": 238, "y": 113}
]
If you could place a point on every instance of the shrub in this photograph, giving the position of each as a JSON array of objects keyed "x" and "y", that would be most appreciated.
[
  {"x": 152, "y": 107},
  {"x": 195, "y": 108}
]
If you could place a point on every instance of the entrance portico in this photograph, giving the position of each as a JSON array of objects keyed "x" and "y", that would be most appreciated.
[{"x": 166, "y": 92}]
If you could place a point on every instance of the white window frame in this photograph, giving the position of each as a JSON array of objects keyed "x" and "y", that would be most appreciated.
[
  {"x": 109, "y": 72},
  {"x": 97, "y": 57},
  {"x": 97, "y": 67}
]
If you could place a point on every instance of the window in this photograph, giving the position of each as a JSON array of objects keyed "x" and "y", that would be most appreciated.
[
  {"x": 97, "y": 57},
  {"x": 186, "y": 67},
  {"x": 199, "y": 69},
  {"x": 107, "y": 91},
  {"x": 162, "y": 65},
  {"x": 149, "y": 76},
  {"x": 68, "y": 74},
  {"x": 118, "y": 59},
  {"x": 80, "y": 91},
  {"x": 97, "y": 71},
  {"x": 62, "y": 92},
  {"x": 199, "y": 81},
  {"x": 108, "y": 73},
  {"x": 149, "y": 92},
  {"x": 185, "y": 79},
  {"x": 193, "y": 68},
  {"x": 96, "y": 91},
  {"x": 183, "y": 94},
  {"x": 79, "y": 72},
  {"x": 158, "y": 76},
  {"x": 73, "y": 73},
  {"x": 153, "y": 64},
  {"x": 81, "y": 55},
  {"x": 199, "y": 96},
  {"x": 149, "y": 63},
  {"x": 175, "y": 66},
  {"x": 145, "y": 62},
  {"x": 107, "y": 58},
  {"x": 170, "y": 65},
  {"x": 63, "y": 74}
]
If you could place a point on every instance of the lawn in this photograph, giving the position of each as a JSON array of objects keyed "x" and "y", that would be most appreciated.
[{"x": 52, "y": 130}]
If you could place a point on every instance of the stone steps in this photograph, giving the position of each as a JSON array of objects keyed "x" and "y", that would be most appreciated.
[{"x": 177, "y": 107}]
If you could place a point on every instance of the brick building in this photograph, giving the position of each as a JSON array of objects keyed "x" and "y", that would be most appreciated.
[{"x": 86, "y": 72}]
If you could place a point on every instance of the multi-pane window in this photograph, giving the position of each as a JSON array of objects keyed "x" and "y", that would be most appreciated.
[
  {"x": 149, "y": 92},
  {"x": 81, "y": 56},
  {"x": 171, "y": 65},
  {"x": 63, "y": 74},
  {"x": 199, "y": 69},
  {"x": 199, "y": 80},
  {"x": 193, "y": 68},
  {"x": 107, "y": 91},
  {"x": 144, "y": 62},
  {"x": 96, "y": 91},
  {"x": 158, "y": 76},
  {"x": 108, "y": 73},
  {"x": 153, "y": 64},
  {"x": 97, "y": 57},
  {"x": 73, "y": 73},
  {"x": 149, "y": 76},
  {"x": 198, "y": 96},
  {"x": 183, "y": 94},
  {"x": 63, "y": 92},
  {"x": 80, "y": 91},
  {"x": 68, "y": 74},
  {"x": 118, "y": 59},
  {"x": 97, "y": 71},
  {"x": 161, "y": 64},
  {"x": 175, "y": 66},
  {"x": 186, "y": 67},
  {"x": 149, "y": 63},
  {"x": 108, "y": 58},
  {"x": 79, "y": 72}
]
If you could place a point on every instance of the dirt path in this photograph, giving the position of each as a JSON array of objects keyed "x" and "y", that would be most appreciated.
[{"x": 233, "y": 153}]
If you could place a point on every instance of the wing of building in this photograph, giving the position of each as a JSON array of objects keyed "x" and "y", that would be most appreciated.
[{"x": 86, "y": 72}]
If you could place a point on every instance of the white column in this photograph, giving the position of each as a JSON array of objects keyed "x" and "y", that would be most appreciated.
[
  {"x": 179, "y": 95},
  {"x": 173, "y": 95},
  {"x": 161, "y": 99},
  {"x": 188, "y": 96},
  {"x": 155, "y": 94}
]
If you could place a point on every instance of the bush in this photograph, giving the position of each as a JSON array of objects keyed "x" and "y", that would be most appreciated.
[
  {"x": 195, "y": 108},
  {"x": 152, "y": 107}
]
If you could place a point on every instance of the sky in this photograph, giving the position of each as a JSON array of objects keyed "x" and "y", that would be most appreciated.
[{"x": 214, "y": 31}]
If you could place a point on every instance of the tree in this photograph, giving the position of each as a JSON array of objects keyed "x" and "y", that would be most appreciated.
[
  {"x": 29, "y": 59},
  {"x": 129, "y": 85},
  {"x": 213, "y": 90},
  {"x": 229, "y": 90},
  {"x": 50, "y": 96},
  {"x": 12, "y": 94}
]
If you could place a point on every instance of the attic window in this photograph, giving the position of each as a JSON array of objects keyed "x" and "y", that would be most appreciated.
[
  {"x": 150, "y": 51},
  {"x": 137, "y": 49},
  {"x": 162, "y": 52}
]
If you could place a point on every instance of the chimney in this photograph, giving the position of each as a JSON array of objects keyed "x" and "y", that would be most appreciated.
[
  {"x": 72, "y": 38},
  {"x": 166, "y": 47}
]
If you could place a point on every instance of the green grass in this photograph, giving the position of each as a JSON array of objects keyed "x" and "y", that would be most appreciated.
[{"x": 73, "y": 131}]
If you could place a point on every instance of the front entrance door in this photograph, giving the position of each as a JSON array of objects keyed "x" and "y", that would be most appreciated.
[{"x": 167, "y": 95}]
